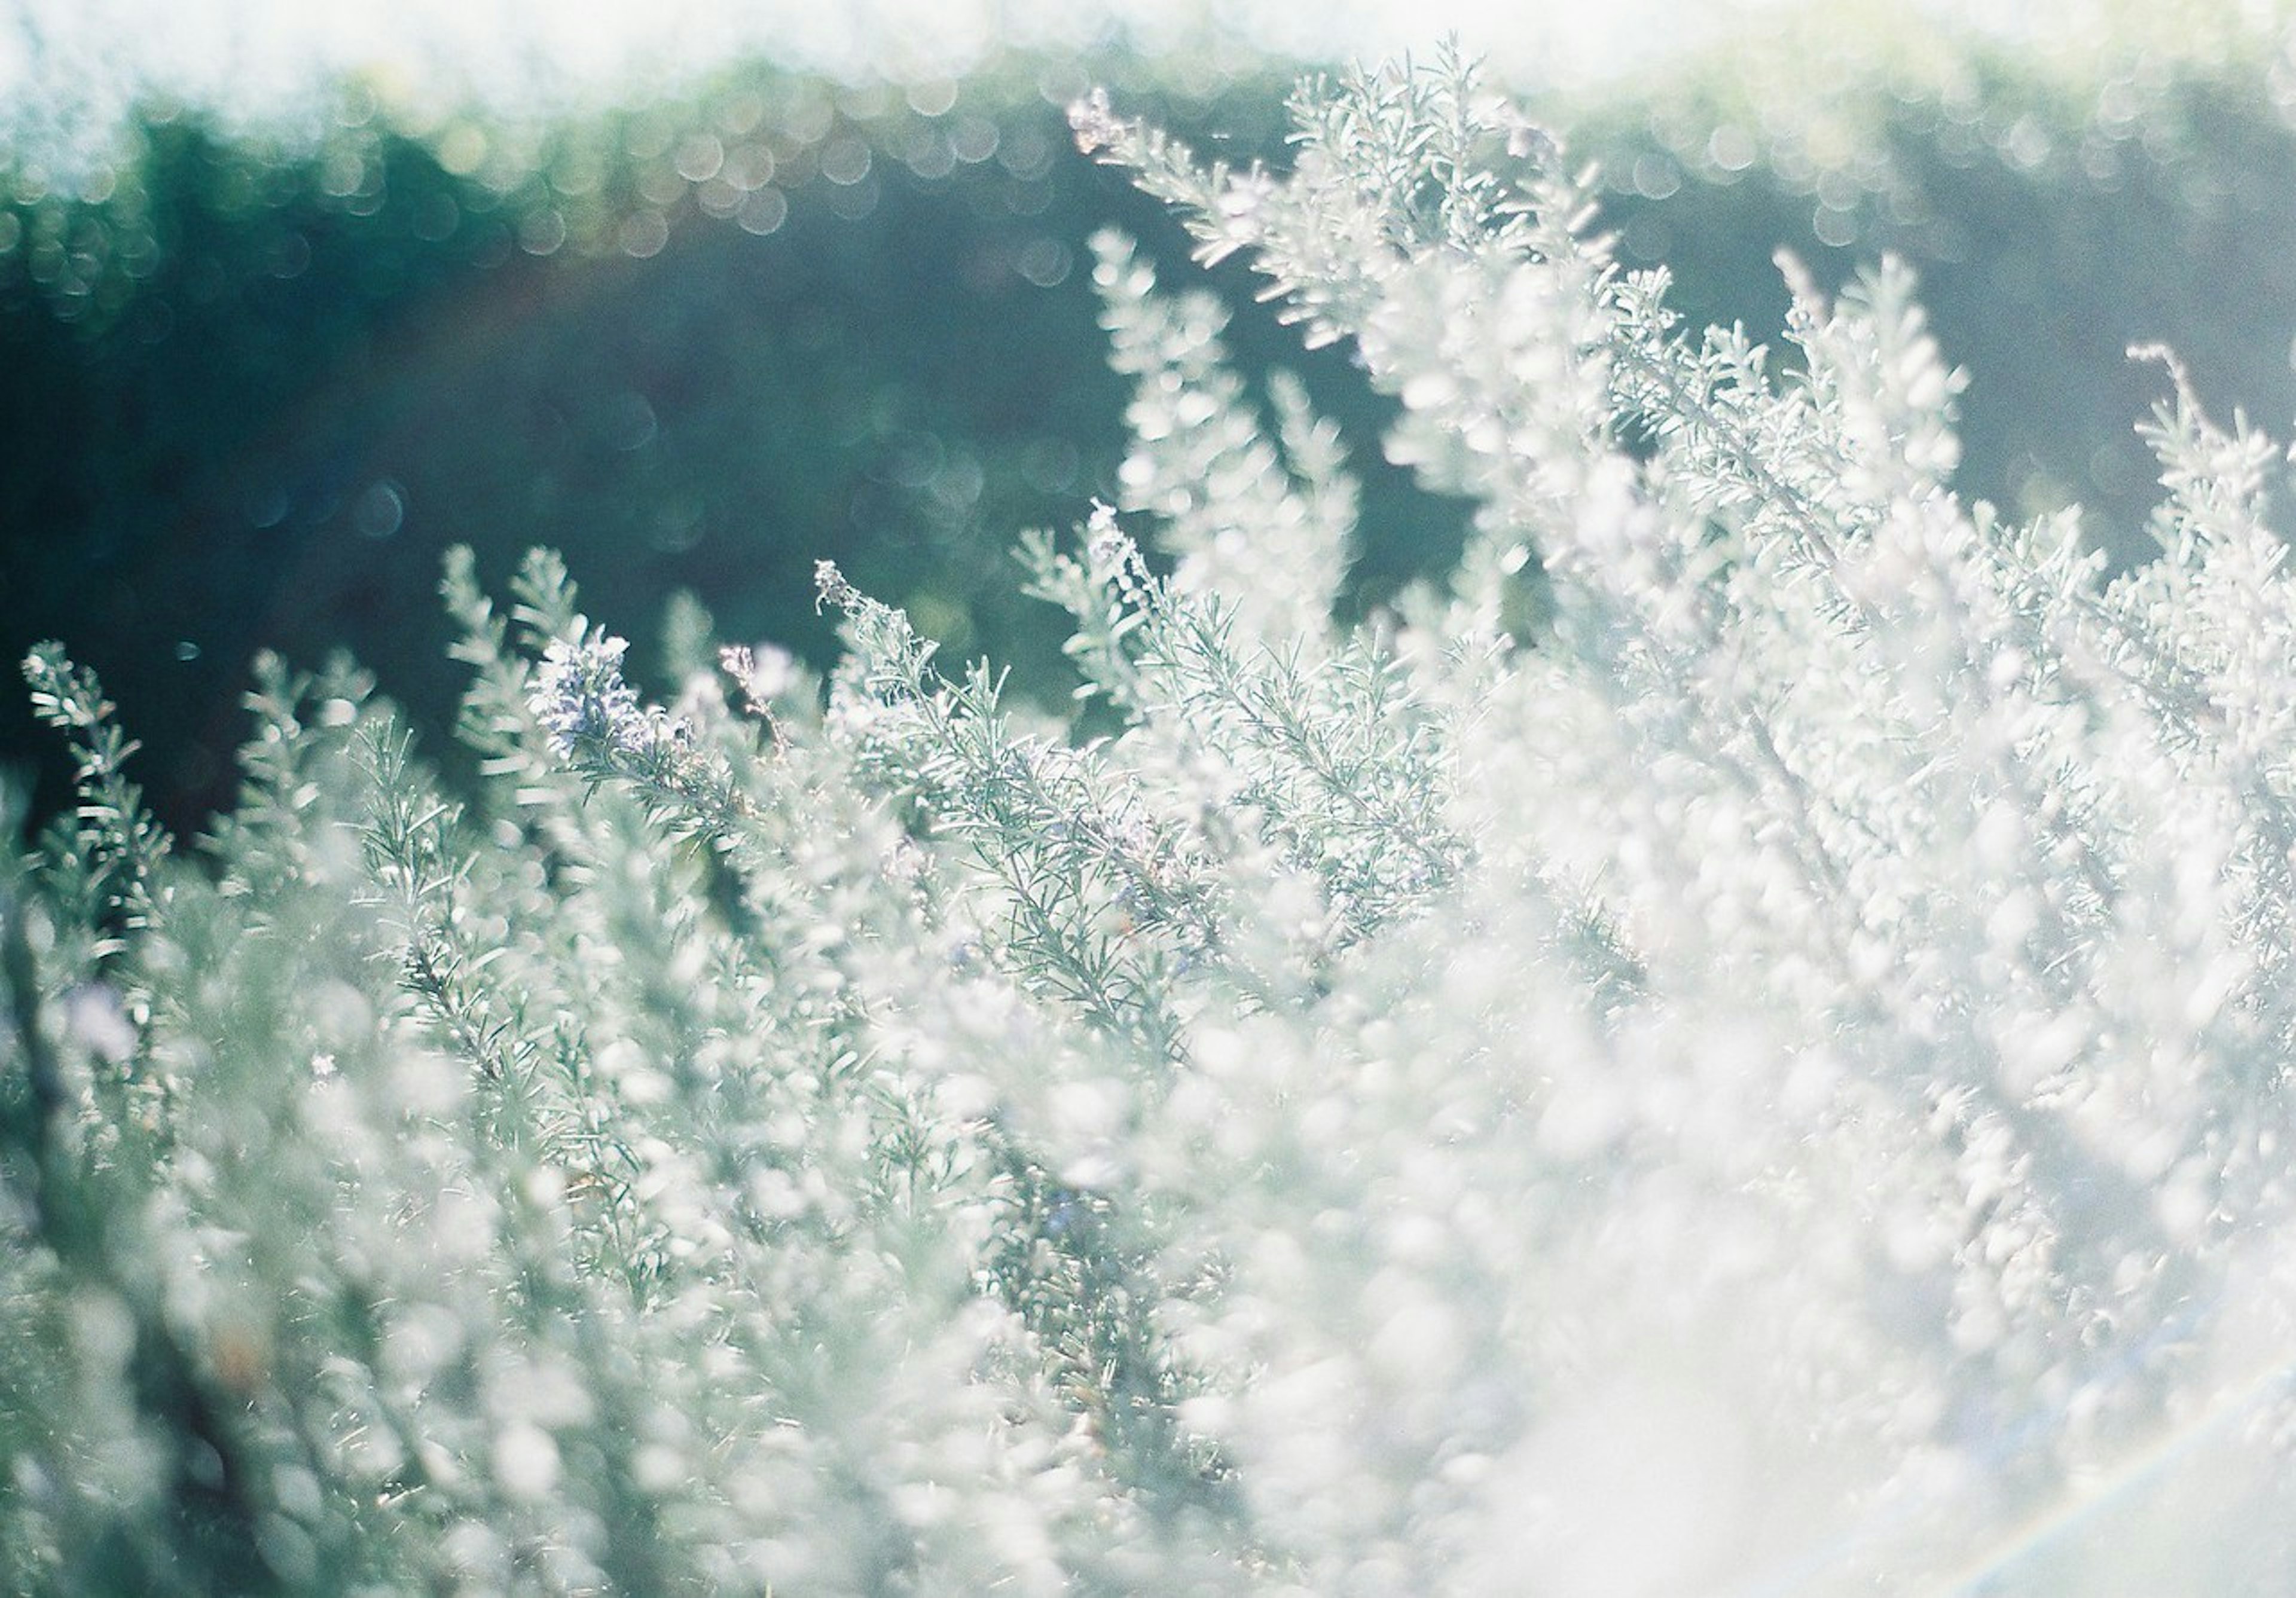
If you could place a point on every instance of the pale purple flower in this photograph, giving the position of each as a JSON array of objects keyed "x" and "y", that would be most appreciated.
[
  {"x": 1108, "y": 546},
  {"x": 765, "y": 673},
  {"x": 580, "y": 695},
  {"x": 1095, "y": 122}
]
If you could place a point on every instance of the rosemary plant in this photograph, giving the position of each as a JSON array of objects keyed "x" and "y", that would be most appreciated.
[{"x": 1736, "y": 1044}]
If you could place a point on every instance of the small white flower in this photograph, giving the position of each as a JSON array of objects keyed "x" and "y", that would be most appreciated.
[{"x": 95, "y": 1020}]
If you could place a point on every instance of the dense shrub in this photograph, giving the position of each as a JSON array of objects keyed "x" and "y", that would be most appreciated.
[
  {"x": 2064, "y": 195},
  {"x": 257, "y": 385},
  {"x": 1752, "y": 1063},
  {"x": 703, "y": 341}
]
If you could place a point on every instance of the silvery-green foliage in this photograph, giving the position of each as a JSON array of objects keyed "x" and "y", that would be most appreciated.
[
  {"x": 1204, "y": 469},
  {"x": 1734, "y": 1046}
]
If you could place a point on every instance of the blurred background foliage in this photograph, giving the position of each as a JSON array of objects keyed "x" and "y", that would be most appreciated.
[{"x": 253, "y": 383}]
